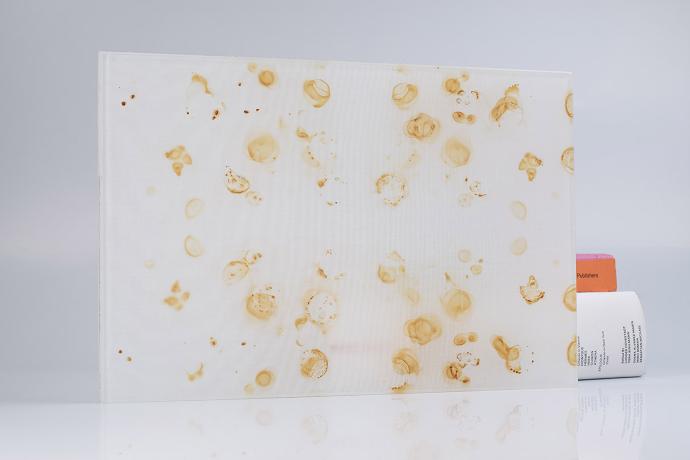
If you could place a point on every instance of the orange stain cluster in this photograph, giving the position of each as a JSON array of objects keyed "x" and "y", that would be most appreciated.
[
  {"x": 179, "y": 158},
  {"x": 530, "y": 292},
  {"x": 178, "y": 298},
  {"x": 236, "y": 270},
  {"x": 529, "y": 163},
  {"x": 510, "y": 355},
  {"x": 507, "y": 103}
]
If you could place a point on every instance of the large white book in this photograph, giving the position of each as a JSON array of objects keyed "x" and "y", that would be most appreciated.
[{"x": 282, "y": 227}]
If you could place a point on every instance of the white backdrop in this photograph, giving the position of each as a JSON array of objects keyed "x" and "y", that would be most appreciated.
[{"x": 631, "y": 62}]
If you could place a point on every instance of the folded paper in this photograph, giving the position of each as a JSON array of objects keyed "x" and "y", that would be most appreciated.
[{"x": 279, "y": 227}]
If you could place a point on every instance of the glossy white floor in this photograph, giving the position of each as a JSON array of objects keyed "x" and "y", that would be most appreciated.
[{"x": 610, "y": 419}]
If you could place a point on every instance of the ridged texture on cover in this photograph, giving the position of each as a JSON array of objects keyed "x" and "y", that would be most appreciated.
[{"x": 276, "y": 227}]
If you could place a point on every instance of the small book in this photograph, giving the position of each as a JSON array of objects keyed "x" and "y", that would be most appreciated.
[{"x": 596, "y": 273}]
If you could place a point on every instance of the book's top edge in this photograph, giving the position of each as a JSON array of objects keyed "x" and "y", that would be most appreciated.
[
  {"x": 594, "y": 256},
  {"x": 258, "y": 60}
]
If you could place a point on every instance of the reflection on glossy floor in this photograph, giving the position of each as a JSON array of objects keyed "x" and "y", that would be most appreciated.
[{"x": 601, "y": 419}]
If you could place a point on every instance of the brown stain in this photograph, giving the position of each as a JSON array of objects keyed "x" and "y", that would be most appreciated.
[
  {"x": 518, "y": 209},
  {"x": 129, "y": 359},
  {"x": 267, "y": 78},
  {"x": 422, "y": 329},
  {"x": 421, "y": 127},
  {"x": 301, "y": 321},
  {"x": 508, "y": 102},
  {"x": 404, "y": 94},
  {"x": 197, "y": 374},
  {"x": 412, "y": 295},
  {"x": 453, "y": 371},
  {"x": 570, "y": 298},
  {"x": 235, "y": 270},
  {"x": 261, "y": 305},
  {"x": 475, "y": 188},
  {"x": 405, "y": 362},
  {"x": 510, "y": 355},
  {"x": 456, "y": 153},
  {"x": 518, "y": 246},
  {"x": 568, "y": 160},
  {"x": 179, "y": 158},
  {"x": 201, "y": 80},
  {"x": 453, "y": 85},
  {"x": 400, "y": 389},
  {"x": 193, "y": 208},
  {"x": 568, "y": 104},
  {"x": 253, "y": 197},
  {"x": 301, "y": 133},
  {"x": 264, "y": 378},
  {"x": 213, "y": 342},
  {"x": 193, "y": 247},
  {"x": 530, "y": 292},
  {"x": 529, "y": 163},
  {"x": 317, "y": 92},
  {"x": 314, "y": 364},
  {"x": 461, "y": 117},
  {"x": 392, "y": 187},
  {"x": 263, "y": 149},
  {"x": 321, "y": 182},
  {"x": 215, "y": 114},
  {"x": 320, "y": 306},
  {"x": 456, "y": 302},
  {"x": 464, "y": 255},
  {"x": 389, "y": 272},
  {"x": 178, "y": 298},
  {"x": 571, "y": 352},
  {"x": 476, "y": 269},
  {"x": 309, "y": 158},
  {"x": 235, "y": 183},
  {"x": 460, "y": 340}
]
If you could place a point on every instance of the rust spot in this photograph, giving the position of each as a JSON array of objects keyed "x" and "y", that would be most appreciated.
[
  {"x": 531, "y": 292},
  {"x": 264, "y": 378},
  {"x": 404, "y": 94},
  {"x": 392, "y": 187},
  {"x": 314, "y": 364},
  {"x": 568, "y": 160},
  {"x": 201, "y": 80},
  {"x": 423, "y": 329},
  {"x": 317, "y": 92},
  {"x": 197, "y": 374},
  {"x": 263, "y": 149},
  {"x": 267, "y": 78},
  {"x": 421, "y": 127},
  {"x": 572, "y": 352},
  {"x": 261, "y": 305},
  {"x": 569, "y": 105},
  {"x": 508, "y": 102},
  {"x": 405, "y": 362},
  {"x": 529, "y": 163},
  {"x": 570, "y": 298}
]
